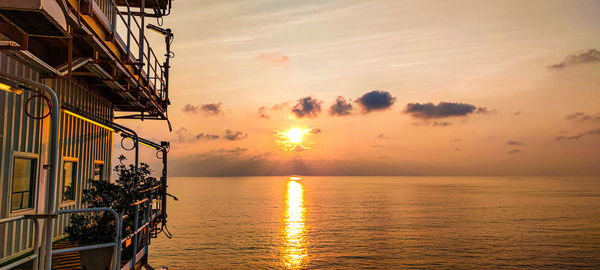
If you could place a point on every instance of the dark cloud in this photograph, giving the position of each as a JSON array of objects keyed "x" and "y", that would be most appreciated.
[
  {"x": 581, "y": 57},
  {"x": 375, "y": 101},
  {"x": 206, "y": 136},
  {"x": 212, "y": 108},
  {"x": 513, "y": 142},
  {"x": 583, "y": 117},
  {"x": 307, "y": 107},
  {"x": 183, "y": 135},
  {"x": 442, "y": 110},
  {"x": 273, "y": 58},
  {"x": 234, "y": 135},
  {"x": 441, "y": 124},
  {"x": 381, "y": 136},
  {"x": 315, "y": 130},
  {"x": 235, "y": 151},
  {"x": 341, "y": 107},
  {"x": 262, "y": 113},
  {"x": 514, "y": 151},
  {"x": 208, "y": 109},
  {"x": 579, "y": 135}
]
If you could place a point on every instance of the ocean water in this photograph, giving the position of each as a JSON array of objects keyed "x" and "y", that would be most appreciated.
[{"x": 381, "y": 223}]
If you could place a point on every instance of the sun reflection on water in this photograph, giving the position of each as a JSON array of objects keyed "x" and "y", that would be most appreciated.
[{"x": 295, "y": 254}]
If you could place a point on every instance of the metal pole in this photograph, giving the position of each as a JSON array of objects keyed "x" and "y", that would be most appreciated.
[
  {"x": 164, "y": 184},
  {"x": 141, "y": 41},
  {"x": 167, "y": 62},
  {"x": 135, "y": 235},
  {"x": 51, "y": 205}
]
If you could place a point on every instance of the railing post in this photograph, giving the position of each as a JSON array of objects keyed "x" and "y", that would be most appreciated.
[
  {"x": 119, "y": 245},
  {"x": 128, "y": 31},
  {"x": 114, "y": 18},
  {"x": 135, "y": 235},
  {"x": 141, "y": 41}
]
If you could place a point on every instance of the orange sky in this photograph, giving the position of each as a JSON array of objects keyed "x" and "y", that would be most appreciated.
[{"x": 510, "y": 74}]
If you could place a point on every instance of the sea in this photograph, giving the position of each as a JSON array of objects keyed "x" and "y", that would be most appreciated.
[{"x": 381, "y": 223}]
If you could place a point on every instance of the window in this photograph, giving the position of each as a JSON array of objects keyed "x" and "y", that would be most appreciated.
[
  {"x": 69, "y": 180},
  {"x": 98, "y": 171},
  {"x": 23, "y": 184}
]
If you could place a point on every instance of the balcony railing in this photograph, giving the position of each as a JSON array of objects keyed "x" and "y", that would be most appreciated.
[{"x": 134, "y": 44}]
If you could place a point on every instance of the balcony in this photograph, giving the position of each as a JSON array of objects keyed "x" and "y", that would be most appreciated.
[{"x": 100, "y": 43}]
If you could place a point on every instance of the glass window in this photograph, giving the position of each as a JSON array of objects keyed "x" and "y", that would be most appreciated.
[
  {"x": 23, "y": 184},
  {"x": 69, "y": 180},
  {"x": 98, "y": 170}
]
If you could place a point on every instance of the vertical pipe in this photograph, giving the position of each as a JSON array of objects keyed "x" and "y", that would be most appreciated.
[
  {"x": 135, "y": 235},
  {"x": 51, "y": 191},
  {"x": 114, "y": 18},
  {"x": 36, "y": 239},
  {"x": 168, "y": 39},
  {"x": 141, "y": 41},
  {"x": 119, "y": 245},
  {"x": 128, "y": 31},
  {"x": 164, "y": 184}
]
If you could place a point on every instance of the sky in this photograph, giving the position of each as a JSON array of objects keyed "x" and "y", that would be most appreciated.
[{"x": 382, "y": 88}]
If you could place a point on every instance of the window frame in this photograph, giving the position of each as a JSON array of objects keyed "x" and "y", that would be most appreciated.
[
  {"x": 96, "y": 163},
  {"x": 34, "y": 182},
  {"x": 75, "y": 161}
]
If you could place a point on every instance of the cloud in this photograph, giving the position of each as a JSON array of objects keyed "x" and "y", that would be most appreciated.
[
  {"x": 514, "y": 151},
  {"x": 273, "y": 58},
  {"x": 183, "y": 135},
  {"x": 262, "y": 114},
  {"x": 235, "y": 151},
  {"x": 203, "y": 136},
  {"x": 280, "y": 106},
  {"x": 315, "y": 130},
  {"x": 234, "y": 135},
  {"x": 441, "y": 124},
  {"x": 583, "y": 117},
  {"x": 208, "y": 109},
  {"x": 578, "y": 135},
  {"x": 581, "y": 57},
  {"x": 381, "y": 136},
  {"x": 307, "y": 107},
  {"x": 442, "y": 110},
  {"x": 375, "y": 101},
  {"x": 340, "y": 107},
  {"x": 513, "y": 142}
]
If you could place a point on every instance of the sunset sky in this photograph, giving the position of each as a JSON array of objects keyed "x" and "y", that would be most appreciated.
[{"x": 419, "y": 88}]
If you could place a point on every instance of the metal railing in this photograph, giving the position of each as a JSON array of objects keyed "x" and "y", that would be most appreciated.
[
  {"x": 148, "y": 213},
  {"x": 151, "y": 73},
  {"x": 36, "y": 245}
]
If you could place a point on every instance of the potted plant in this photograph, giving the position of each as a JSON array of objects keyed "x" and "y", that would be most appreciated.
[{"x": 99, "y": 227}]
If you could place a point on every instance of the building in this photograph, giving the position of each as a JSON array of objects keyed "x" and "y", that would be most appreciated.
[{"x": 95, "y": 56}]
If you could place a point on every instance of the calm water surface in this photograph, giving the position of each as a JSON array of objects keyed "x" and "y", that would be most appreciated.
[{"x": 381, "y": 223}]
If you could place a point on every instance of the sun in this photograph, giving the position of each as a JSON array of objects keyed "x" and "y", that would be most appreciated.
[
  {"x": 291, "y": 140},
  {"x": 294, "y": 135}
]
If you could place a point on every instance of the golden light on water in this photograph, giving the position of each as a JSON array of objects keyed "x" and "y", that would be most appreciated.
[{"x": 295, "y": 253}]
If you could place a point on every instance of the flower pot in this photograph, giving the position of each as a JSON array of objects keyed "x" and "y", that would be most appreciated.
[{"x": 96, "y": 259}]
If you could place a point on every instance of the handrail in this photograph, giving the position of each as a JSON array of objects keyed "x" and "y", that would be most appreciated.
[
  {"x": 36, "y": 246},
  {"x": 136, "y": 41},
  {"x": 116, "y": 243}
]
